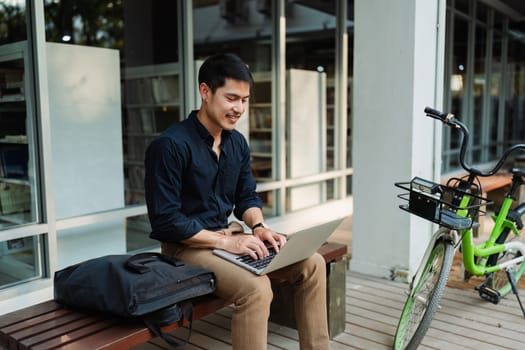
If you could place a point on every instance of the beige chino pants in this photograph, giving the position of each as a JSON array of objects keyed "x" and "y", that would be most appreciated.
[{"x": 251, "y": 296}]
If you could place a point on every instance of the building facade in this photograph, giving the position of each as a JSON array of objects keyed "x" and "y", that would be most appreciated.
[{"x": 86, "y": 85}]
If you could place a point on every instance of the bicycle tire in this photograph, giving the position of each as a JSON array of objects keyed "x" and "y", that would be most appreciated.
[
  {"x": 424, "y": 298},
  {"x": 498, "y": 280}
]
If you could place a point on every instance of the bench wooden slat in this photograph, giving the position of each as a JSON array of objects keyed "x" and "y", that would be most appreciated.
[
  {"x": 28, "y": 313},
  {"x": 491, "y": 183},
  {"x": 333, "y": 251},
  {"x": 91, "y": 332},
  {"x": 42, "y": 323},
  {"x": 64, "y": 330},
  {"x": 76, "y": 337},
  {"x": 123, "y": 336}
]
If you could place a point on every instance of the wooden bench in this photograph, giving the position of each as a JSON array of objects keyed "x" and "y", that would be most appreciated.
[{"x": 50, "y": 325}]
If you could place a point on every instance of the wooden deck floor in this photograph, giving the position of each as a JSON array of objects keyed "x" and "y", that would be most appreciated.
[{"x": 373, "y": 306}]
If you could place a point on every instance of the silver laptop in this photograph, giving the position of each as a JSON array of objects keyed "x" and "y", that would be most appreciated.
[{"x": 299, "y": 246}]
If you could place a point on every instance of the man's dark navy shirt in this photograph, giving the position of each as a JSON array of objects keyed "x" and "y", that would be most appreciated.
[{"x": 188, "y": 188}]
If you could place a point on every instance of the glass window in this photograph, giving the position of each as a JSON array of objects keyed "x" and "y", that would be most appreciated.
[
  {"x": 350, "y": 17},
  {"x": 499, "y": 21},
  {"x": 515, "y": 96},
  {"x": 13, "y": 22},
  {"x": 482, "y": 12},
  {"x": 486, "y": 94},
  {"x": 90, "y": 23},
  {"x": 310, "y": 53},
  {"x": 17, "y": 170},
  {"x": 463, "y": 6},
  {"x": 142, "y": 38},
  {"x": 244, "y": 28},
  {"x": 20, "y": 256},
  {"x": 458, "y": 87},
  {"x": 20, "y": 260},
  {"x": 479, "y": 91},
  {"x": 18, "y": 193},
  {"x": 310, "y": 94},
  {"x": 495, "y": 120},
  {"x": 350, "y": 82}
]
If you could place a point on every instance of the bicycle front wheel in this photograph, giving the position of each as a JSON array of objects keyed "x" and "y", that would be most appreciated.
[{"x": 424, "y": 298}]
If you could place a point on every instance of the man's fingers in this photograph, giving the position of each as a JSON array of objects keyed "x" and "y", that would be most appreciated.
[
  {"x": 282, "y": 240},
  {"x": 257, "y": 249},
  {"x": 275, "y": 244},
  {"x": 278, "y": 242}
]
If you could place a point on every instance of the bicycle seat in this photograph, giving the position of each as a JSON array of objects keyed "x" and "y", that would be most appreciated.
[{"x": 517, "y": 171}]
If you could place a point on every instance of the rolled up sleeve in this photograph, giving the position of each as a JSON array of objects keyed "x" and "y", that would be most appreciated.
[{"x": 164, "y": 165}]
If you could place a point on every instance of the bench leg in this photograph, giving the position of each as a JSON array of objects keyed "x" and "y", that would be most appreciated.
[
  {"x": 282, "y": 308},
  {"x": 336, "y": 297}
]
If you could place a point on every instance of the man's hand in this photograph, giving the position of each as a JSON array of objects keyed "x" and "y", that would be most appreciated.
[
  {"x": 266, "y": 235},
  {"x": 244, "y": 244}
]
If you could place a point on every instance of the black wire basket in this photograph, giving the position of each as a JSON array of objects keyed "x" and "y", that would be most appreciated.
[{"x": 440, "y": 203}]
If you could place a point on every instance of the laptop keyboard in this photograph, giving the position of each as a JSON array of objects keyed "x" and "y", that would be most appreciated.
[{"x": 258, "y": 263}]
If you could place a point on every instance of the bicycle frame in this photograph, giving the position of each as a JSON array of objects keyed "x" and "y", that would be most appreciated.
[
  {"x": 470, "y": 250},
  {"x": 489, "y": 247}
]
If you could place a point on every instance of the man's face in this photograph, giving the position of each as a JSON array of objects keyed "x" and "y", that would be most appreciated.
[{"x": 227, "y": 104}]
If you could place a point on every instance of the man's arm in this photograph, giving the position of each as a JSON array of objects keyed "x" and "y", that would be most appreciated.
[
  {"x": 164, "y": 164},
  {"x": 254, "y": 244},
  {"x": 239, "y": 243}
]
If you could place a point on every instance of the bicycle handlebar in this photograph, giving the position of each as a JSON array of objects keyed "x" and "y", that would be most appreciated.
[
  {"x": 434, "y": 113},
  {"x": 450, "y": 120}
]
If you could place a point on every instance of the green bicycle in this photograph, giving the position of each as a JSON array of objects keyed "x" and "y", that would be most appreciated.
[{"x": 455, "y": 207}]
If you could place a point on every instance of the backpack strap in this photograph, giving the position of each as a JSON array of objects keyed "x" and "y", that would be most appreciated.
[{"x": 175, "y": 313}]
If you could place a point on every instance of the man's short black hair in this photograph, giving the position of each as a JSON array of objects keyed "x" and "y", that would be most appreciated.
[{"x": 217, "y": 68}]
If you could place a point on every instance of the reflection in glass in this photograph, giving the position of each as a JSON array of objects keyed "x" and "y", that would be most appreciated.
[
  {"x": 90, "y": 23},
  {"x": 479, "y": 91},
  {"x": 17, "y": 172},
  {"x": 13, "y": 27},
  {"x": 16, "y": 204},
  {"x": 310, "y": 94},
  {"x": 494, "y": 97},
  {"x": 310, "y": 47},
  {"x": 19, "y": 260},
  {"x": 486, "y": 89},
  {"x": 459, "y": 69},
  {"x": 145, "y": 33},
  {"x": 514, "y": 125}
]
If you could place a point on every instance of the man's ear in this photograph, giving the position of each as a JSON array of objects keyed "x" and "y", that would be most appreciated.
[{"x": 204, "y": 91}]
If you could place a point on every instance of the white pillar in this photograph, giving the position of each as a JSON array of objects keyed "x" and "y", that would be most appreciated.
[{"x": 398, "y": 70}]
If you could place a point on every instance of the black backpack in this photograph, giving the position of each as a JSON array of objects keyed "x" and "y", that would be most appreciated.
[{"x": 151, "y": 287}]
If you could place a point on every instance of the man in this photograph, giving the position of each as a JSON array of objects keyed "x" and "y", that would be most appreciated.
[{"x": 197, "y": 173}]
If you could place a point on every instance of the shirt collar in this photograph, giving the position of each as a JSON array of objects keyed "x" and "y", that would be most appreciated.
[{"x": 204, "y": 133}]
